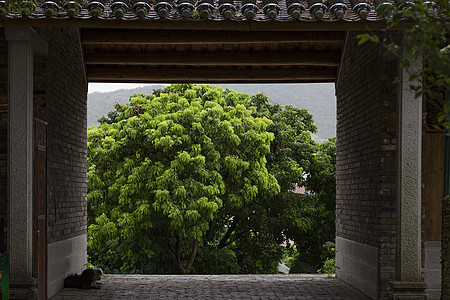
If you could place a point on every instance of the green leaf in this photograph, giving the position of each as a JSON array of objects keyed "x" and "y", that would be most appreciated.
[{"x": 363, "y": 37}]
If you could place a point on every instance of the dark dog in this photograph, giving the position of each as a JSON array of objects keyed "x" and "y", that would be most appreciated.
[{"x": 87, "y": 280}]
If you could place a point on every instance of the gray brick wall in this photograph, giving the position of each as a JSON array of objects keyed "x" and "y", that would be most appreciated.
[
  {"x": 60, "y": 97},
  {"x": 366, "y": 153},
  {"x": 65, "y": 92},
  {"x": 3, "y": 139}
]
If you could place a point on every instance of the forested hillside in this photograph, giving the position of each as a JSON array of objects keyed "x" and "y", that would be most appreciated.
[
  {"x": 319, "y": 99},
  {"x": 100, "y": 104}
]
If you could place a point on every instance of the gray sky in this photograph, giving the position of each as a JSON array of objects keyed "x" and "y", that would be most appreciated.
[{"x": 109, "y": 87}]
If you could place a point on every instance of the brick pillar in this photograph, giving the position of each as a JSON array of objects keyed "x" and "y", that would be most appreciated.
[
  {"x": 409, "y": 282},
  {"x": 22, "y": 42}
]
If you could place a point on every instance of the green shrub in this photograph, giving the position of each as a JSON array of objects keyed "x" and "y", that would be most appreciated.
[
  {"x": 329, "y": 266},
  {"x": 211, "y": 260}
]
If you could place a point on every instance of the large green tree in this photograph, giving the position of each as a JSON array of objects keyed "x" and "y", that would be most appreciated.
[
  {"x": 197, "y": 171},
  {"x": 162, "y": 168}
]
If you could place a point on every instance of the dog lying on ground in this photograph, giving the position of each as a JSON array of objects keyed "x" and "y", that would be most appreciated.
[{"x": 87, "y": 280}]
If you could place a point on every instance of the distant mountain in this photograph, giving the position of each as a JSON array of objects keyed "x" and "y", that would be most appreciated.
[
  {"x": 99, "y": 104},
  {"x": 319, "y": 99}
]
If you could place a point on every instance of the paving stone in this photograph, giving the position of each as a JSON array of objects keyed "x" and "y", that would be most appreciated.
[{"x": 206, "y": 287}]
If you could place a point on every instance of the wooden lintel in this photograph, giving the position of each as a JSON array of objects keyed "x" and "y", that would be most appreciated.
[
  {"x": 226, "y": 25},
  {"x": 209, "y": 75},
  {"x": 147, "y": 37},
  {"x": 217, "y": 59},
  {"x": 216, "y": 81}
]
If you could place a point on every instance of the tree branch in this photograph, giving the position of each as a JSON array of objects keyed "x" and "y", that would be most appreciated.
[
  {"x": 209, "y": 234},
  {"x": 230, "y": 230},
  {"x": 167, "y": 249}
]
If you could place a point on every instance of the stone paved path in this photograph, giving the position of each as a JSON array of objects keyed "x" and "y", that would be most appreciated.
[{"x": 226, "y": 287}]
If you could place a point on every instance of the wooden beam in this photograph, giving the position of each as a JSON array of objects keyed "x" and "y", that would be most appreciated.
[
  {"x": 209, "y": 75},
  {"x": 226, "y": 25},
  {"x": 217, "y": 59},
  {"x": 146, "y": 37},
  {"x": 215, "y": 81}
]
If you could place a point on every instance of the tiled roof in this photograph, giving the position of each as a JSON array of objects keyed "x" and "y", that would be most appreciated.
[
  {"x": 209, "y": 41},
  {"x": 217, "y": 10}
]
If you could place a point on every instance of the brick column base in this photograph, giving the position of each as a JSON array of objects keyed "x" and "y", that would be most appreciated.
[{"x": 402, "y": 290}]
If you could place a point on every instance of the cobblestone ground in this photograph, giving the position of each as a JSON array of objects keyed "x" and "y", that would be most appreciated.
[{"x": 227, "y": 287}]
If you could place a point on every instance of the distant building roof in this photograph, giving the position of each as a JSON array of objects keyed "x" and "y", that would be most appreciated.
[{"x": 300, "y": 190}]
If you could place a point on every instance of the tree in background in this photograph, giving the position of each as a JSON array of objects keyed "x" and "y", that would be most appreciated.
[
  {"x": 316, "y": 246},
  {"x": 162, "y": 168},
  {"x": 274, "y": 220},
  {"x": 196, "y": 172}
]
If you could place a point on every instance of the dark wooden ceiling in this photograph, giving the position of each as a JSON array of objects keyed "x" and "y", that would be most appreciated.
[
  {"x": 178, "y": 47},
  {"x": 202, "y": 56}
]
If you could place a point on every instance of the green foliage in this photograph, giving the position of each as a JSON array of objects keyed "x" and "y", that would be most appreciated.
[
  {"x": 364, "y": 37},
  {"x": 258, "y": 253},
  {"x": 294, "y": 159},
  {"x": 23, "y": 7},
  {"x": 298, "y": 266},
  {"x": 161, "y": 168},
  {"x": 319, "y": 208},
  {"x": 89, "y": 265},
  {"x": 298, "y": 263},
  {"x": 211, "y": 260},
  {"x": 200, "y": 171},
  {"x": 329, "y": 264}
]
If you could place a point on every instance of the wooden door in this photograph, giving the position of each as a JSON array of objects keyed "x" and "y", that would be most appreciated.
[
  {"x": 434, "y": 183},
  {"x": 40, "y": 207}
]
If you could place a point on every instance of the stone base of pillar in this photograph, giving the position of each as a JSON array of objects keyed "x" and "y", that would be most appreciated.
[
  {"x": 23, "y": 289},
  {"x": 402, "y": 290}
]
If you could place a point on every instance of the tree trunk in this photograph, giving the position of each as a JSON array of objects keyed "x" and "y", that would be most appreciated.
[
  {"x": 188, "y": 268},
  {"x": 192, "y": 258},
  {"x": 176, "y": 256}
]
